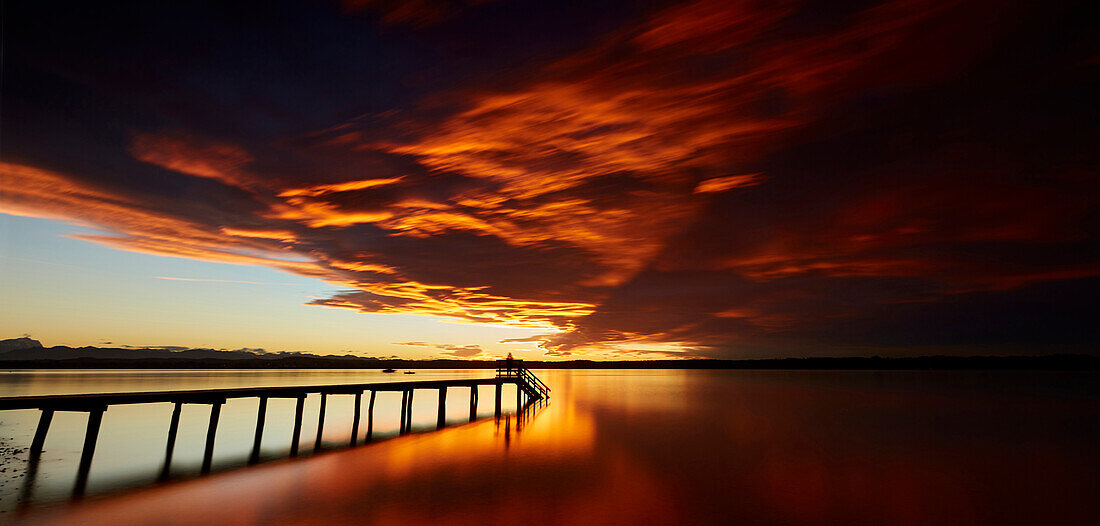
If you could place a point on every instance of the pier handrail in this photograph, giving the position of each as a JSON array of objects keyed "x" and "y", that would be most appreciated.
[
  {"x": 526, "y": 379},
  {"x": 96, "y": 400},
  {"x": 526, "y": 374}
]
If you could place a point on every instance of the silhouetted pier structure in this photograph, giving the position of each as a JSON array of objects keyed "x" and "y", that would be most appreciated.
[{"x": 529, "y": 389}]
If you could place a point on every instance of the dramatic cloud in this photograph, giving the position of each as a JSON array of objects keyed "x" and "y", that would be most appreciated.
[{"x": 711, "y": 178}]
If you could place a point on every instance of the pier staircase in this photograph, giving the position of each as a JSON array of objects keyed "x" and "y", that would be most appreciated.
[{"x": 525, "y": 380}]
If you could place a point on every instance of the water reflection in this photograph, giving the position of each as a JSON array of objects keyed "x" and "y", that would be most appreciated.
[
  {"x": 123, "y": 455},
  {"x": 695, "y": 447}
]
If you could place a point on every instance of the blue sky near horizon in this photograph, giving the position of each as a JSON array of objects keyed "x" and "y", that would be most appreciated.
[{"x": 66, "y": 291}]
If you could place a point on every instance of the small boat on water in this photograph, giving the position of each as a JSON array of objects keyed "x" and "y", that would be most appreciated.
[
  {"x": 410, "y": 372},
  {"x": 389, "y": 370}
]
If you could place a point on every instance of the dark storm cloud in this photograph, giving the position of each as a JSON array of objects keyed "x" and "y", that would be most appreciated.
[{"x": 716, "y": 177}]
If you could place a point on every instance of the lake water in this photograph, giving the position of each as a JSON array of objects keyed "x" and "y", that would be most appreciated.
[{"x": 611, "y": 447}]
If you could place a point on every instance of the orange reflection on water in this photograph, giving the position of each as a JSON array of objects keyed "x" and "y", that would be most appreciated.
[
  {"x": 457, "y": 472},
  {"x": 691, "y": 447}
]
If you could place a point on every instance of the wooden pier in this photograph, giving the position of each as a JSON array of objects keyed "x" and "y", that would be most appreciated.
[{"x": 529, "y": 389}]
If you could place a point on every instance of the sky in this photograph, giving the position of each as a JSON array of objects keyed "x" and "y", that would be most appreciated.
[{"x": 605, "y": 180}]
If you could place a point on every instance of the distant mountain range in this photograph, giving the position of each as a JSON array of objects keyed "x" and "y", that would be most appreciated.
[
  {"x": 18, "y": 344},
  {"x": 25, "y": 353},
  {"x": 26, "y": 349}
]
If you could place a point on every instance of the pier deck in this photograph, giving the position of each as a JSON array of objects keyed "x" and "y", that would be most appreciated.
[{"x": 528, "y": 389}]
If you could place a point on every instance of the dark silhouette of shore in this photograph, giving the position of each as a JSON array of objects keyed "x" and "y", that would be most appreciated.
[{"x": 116, "y": 358}]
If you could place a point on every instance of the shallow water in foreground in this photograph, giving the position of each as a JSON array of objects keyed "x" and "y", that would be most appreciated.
[{"x": 611, "y": 447}]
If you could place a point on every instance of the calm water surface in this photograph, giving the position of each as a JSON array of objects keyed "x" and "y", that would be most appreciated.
[{"x": 612, "y": 447}]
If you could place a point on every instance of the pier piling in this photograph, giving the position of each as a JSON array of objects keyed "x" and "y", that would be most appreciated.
[
  {"x": 211, "y": 433},
  {"x": 261, "y": 415},
  {"x": 355, "y": 418},
  {"x": 409, "y": 412},
  {"x": 35, "y": 455},
  {"x": 320, "y": 422},
  {"x": 95, "y": 418},
  {"x": 441, "y": 420},
  {"x": 170, "y": 447},
  {"x": 296, "y": 437},
  {"x": 370, "y": 417},
  {"x": 498, "y": 400},
  {"x": 404, "y": 410},
  {"x": 40, "y": 434},
  {"x": 473, "y": 403}
]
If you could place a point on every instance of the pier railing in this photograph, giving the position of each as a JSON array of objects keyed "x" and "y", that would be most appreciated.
[
  {"x": 528, "y": 390},
  {"x": 525, "y": 379}
]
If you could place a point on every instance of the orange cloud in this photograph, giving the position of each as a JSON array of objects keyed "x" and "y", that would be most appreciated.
[
  {"x": 558, "y": 135},
  {"x": 317, "y": 214},
  {"x": 465, "y": 303},
  {"x": 281, "y": 235},
  {"x": 729, "y": 182},
  {"x": 193, "y": 156},
  {"x": 36, "y": 192},
  {"x": 359, "y": 266},
  {"x": 314, "y": 191}
]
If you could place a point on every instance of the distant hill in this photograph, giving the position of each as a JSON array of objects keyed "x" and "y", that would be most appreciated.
[
  {"x": 25, "y": 353},
  {"x": 37, "y": 352},
  {"x": 17, "y": 344}
]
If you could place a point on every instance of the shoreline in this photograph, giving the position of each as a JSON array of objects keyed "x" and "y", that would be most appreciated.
[{"x": 1059, "y": 362}]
